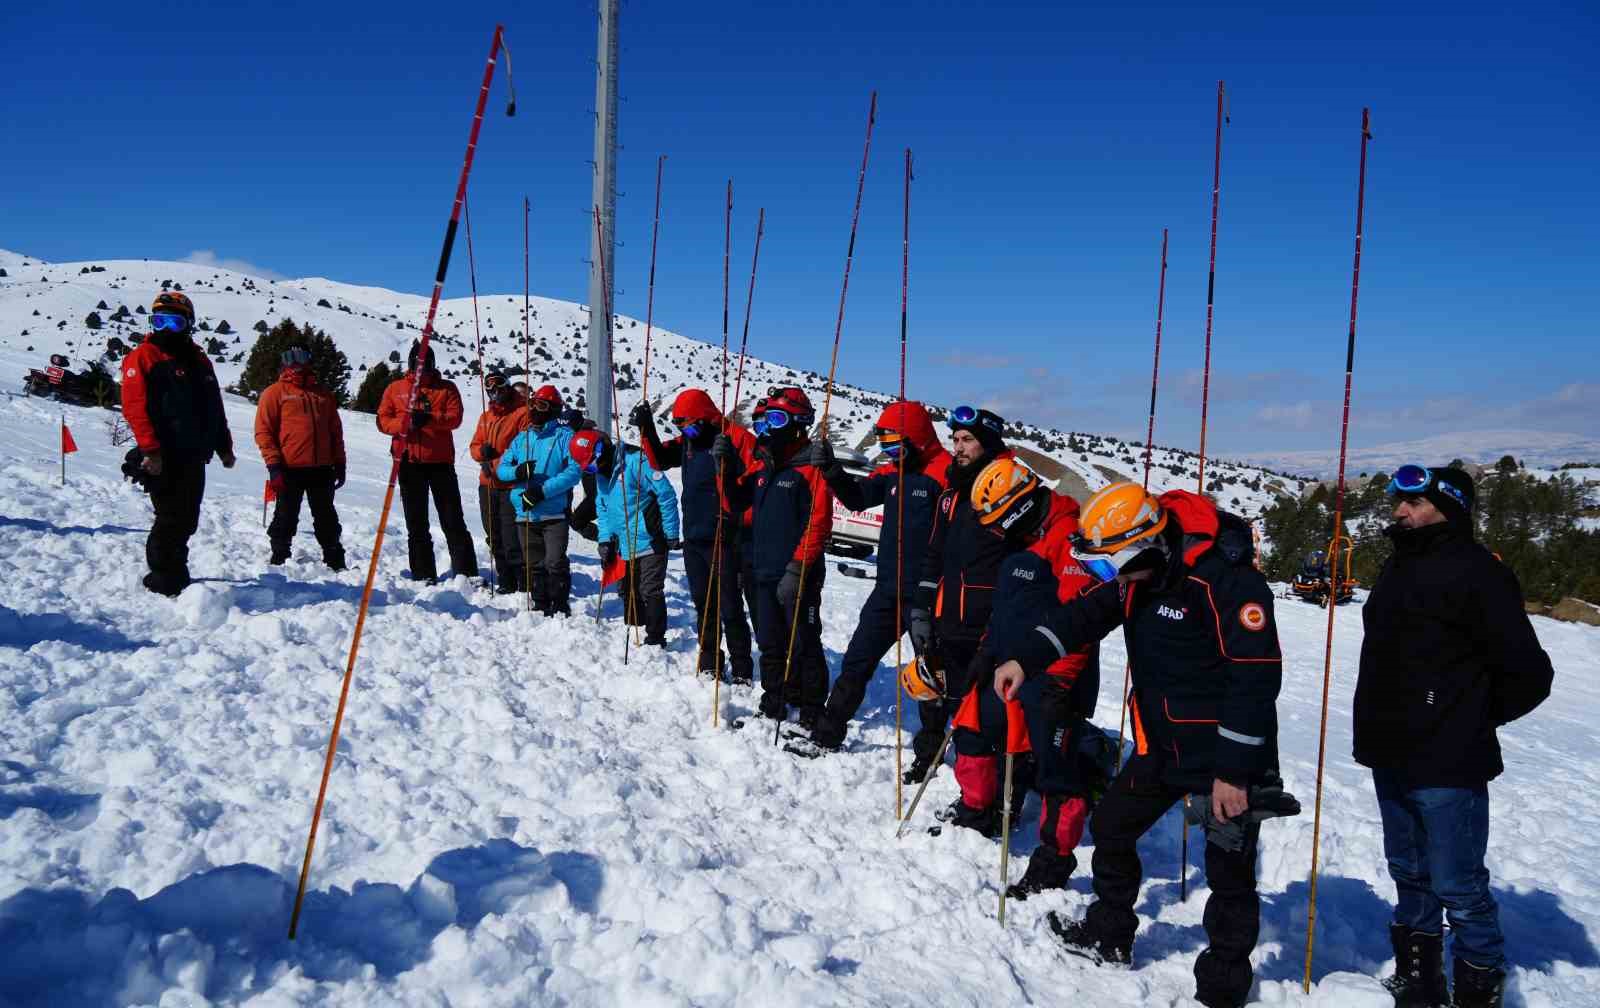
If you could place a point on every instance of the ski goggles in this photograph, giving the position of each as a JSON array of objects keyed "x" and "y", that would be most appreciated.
[
  {"x": 775, "y": 419},
  {"x": 1101, "y": 568},
  {"x": 493, "y": 382},
  {"x": 689, "y": 428},
  {"x": 295, "y": 355},
  {"x": 1416, "y": 479},
  {"x": 891, "y": 443},
  {"x": 166, "y": 322},
  {"x": 967, "y": 415}
]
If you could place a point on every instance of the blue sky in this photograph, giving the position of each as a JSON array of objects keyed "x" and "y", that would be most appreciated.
[{"x": 1052, "y": 145}]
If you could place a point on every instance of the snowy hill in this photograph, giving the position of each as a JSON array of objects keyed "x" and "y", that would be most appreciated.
[
  {"x": 44, "y": 305},
  {"x": 518, "y": 818},
  {"x": 1535, "y": 449}
]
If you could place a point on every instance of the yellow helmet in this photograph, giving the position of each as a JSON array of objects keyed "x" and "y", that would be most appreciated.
[
  {"x": 1009, "y": 497},
  {"x": 1117, "y": 517},
  {"x": 923, "y": 680}
]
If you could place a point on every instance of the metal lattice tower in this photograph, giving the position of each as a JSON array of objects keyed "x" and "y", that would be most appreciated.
[{"x": 598, "y": 389}]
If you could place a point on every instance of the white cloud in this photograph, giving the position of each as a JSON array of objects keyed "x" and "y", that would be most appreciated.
[{"x": 209, "y": 257}]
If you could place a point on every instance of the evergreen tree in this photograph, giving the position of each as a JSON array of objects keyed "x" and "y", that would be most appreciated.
[
  {"x": 372, "y": 386},
  {"x": 328, "y": 362},
  {"x": 93, "y": 320}
]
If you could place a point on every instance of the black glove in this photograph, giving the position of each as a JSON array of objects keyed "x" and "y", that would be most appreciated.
[
  {"x": 922, "y": 631},
  {"x": 1268, "y": 800},
  {"x": 532, "y": 496},
  {"x": 588, "y": 530},
  {"x": 608, "y": 552},
  {"x": 723, "y": 450},
  {"x": 525, "y": 471},
  {"x": 789, "y": 587},
  {"x": 821, "y": 454},
  {"x": 420, "y": 418},
  {"x": 641, "y": 416},
  {"x": 338, "y": 476}
]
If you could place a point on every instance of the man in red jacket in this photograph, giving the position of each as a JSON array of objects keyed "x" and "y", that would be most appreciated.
[
  {"x": 503, "y": 420},
  {"x": 302, "y": 442},
  {"x": 427, "y": 465},
  {"x": 173, "y": 405}
]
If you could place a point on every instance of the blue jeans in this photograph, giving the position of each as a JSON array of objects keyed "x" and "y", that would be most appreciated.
[{"x": 1434, "y": 839}]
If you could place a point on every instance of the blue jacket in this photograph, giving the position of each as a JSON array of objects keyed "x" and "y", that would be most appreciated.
[
  {"x": 636, "y": 506},
  {"x": 553, "y": 467}
]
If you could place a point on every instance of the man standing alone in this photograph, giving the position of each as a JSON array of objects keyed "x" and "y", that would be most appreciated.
[{"x": 1448, "y": 656}]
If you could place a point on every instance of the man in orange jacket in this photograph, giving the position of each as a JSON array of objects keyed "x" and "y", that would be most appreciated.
[
  {"x": 503, "y": 420},
  {"x": 302, "y": 442},
  {"x": 427, "y": 465},
  {"x": 173, "y": 405}
]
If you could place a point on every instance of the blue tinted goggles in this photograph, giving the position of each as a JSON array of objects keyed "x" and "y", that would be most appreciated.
[
  {"x": 775, "y": 419},
  {"x": 969, "y": 415},
  {"x": 295, "y": 355},
  {"x": 165, "y": 322},
  {"x": 1416, "y": 479}
]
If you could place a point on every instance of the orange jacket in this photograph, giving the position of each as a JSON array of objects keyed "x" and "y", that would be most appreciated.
[
  {"x": 496, "y": 429},
  {"x": 433, "y": 442},
  {"x": 297, "y": 422}
]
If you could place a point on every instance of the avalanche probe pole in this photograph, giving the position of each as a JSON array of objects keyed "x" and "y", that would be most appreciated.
[
  {"x": 900, "y": 499},
  {"x": 1149, "y": 447},
  {"x": 1338, "y": 519},
  {"x": 738, "y": 379},
  {"x": 616, "y": 421},
  {"x": 827, "y": 396},
  {"x": 1211, "y": 291},
  {"x": 644, "y": 393},
  {"x": 525, "y": 537},
  {"x": 712, "y": 597},
  {"x": 400, "y": 446},
  {"x": 477, "y": 333}
]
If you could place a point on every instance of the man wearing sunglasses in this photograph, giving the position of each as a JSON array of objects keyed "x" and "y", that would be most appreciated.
[
  {"x": 911, "y": 451},
  {"x": 793, "y": 516},
  {"x": 542, "y": 473},
  {"x": 302, "y": 443},
  {"x": 503, "y": 420},
  {"x": 173, "y": 405},
  {"x": 1448, "y": 656},
  {"x": 958, "y": 570},
  {"x": 636, "y": 518},
  {"x": 705, "y": 509},
  {"x": 427, "y": 465}
]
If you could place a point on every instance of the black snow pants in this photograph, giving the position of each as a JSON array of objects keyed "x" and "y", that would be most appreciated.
[
  {"x": 807, "y": 681},
  {"x": 499, "y": 520},
  {"x": 175, "y": 495},
  {"x": 697, "y": 561},
  {"x": 544, "y": 559},
  {"x": 873, "y": 638},
  {"x": 417, "y": 481},
  {"x": 315, "y": 485}
]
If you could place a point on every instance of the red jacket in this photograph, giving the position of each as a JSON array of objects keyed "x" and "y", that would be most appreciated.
[
  {"x": 496, "y": 429},
  {"x": 297, "y": 422},
  {"x": 433, "y": 442},
  {"x": 172, "y": 402}
]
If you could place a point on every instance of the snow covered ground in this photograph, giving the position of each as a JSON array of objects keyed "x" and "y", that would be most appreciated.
[{"x": 516, "y": 817}]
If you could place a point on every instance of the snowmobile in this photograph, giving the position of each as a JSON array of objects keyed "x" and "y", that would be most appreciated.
[
  {"x": 1314, "y": 584},
  {"x": 93, "y": 386}
]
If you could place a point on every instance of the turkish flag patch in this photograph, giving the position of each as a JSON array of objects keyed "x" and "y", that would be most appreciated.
[{"x": 1252, "y": 616}]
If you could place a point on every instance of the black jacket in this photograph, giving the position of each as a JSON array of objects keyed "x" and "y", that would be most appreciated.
[
  {"x": 861, "y": 493},
  {"x": 961, "y": 563},
  {"x": 1202, "y": 645},
  {"x": 1449, "y": 655}
]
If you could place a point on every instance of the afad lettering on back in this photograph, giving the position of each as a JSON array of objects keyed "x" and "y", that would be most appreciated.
[{"x": 1169, "y": 612}]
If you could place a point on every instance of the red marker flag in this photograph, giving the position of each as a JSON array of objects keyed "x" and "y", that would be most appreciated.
[
  {"x": 67, "y": 444},
  {"x": 613, "y": 572}
]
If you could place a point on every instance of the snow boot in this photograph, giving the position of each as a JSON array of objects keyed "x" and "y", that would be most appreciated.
[
  {"x": 985, "y": 821},
  {"x": 920, "y": 767},
  {"x": 280, "y": 554},
  {"x": 1046, "y": 870},
  {"x": 163, "y": 587},
  {"x": 334, "y": 560},
  {"x": 1478, "y": 986},
  {"x": 809, "y": 748},
  {"x": 1078, "y": 939},
  {"x": 1418, "y": 980}
]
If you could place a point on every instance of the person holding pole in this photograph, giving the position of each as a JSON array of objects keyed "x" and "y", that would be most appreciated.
[
  {"x": 1206, "y": 670},
  {"x": 1448, "y": 656},
  {"x": 301, "y": 439},
  {"x": 503, "y": 420},
  {"x": 705, "y": 508},
  {"x": 173, "y": 405},
  {"x": 905, "y": 436},
  {"x": 542, "y": 473}
]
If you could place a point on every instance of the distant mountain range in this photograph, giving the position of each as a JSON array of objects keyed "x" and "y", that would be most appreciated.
[
  {"x": 1535, "y": 449},
  {"x": 44, "y": 307}
]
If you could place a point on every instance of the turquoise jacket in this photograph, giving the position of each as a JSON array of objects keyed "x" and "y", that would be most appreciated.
[
  {"x": 650, "y": 517},
  {"x": 553, "y": 470}
]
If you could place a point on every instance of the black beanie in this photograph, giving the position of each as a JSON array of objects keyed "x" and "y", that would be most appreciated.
[
  {"x": 987, "y": 427},
  {"x": 1453, "y": 509}
]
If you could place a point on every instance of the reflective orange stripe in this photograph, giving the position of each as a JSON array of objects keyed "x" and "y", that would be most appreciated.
[{"x": 1141, "y": 745}]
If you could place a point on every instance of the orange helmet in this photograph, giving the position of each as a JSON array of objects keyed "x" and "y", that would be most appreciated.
[
  {"x": 1117, "y": 517},
  {"x": 173, "y": 303},
  {"x": 1009, "y": 497},
  {"x": 923, "y": 680}
]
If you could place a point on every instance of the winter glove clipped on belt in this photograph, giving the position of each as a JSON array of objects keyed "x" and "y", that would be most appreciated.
[
  {"x": 1268, "y": 800},
  {"x": 789, "y": 587},
  {"x": 922, "y": 631},
  {"x": 588, "y": 530}
]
